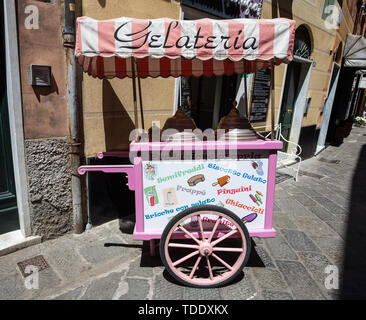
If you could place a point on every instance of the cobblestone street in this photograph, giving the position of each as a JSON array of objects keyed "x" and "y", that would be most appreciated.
[{"x": 320, "y": 221}]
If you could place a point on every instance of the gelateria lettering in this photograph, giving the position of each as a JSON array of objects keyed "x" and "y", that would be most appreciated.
[
  {"x": 181, "y": 173},
  {"x": 123, "y": 35},
  {"x": 233, "y": 191},
  {"x": 226, "y": 170},
  {"x": 254, "y": 178},
  {"x": 245, "y": 207},
  {"x": 191, "y": 191}
]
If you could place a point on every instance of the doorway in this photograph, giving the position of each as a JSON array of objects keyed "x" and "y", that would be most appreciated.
[
  {"x": 327, "y": 108},
  {"x": 210, "y": 98},
  {"x": 290, "y": 94},
  {"x": 9, "y": 220}
]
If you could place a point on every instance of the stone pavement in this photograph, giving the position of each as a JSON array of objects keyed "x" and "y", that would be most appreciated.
[{"x": 320, "y": 222}]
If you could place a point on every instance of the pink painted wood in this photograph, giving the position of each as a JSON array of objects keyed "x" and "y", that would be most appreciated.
[
  {"x": 207, "y": 145},
  {"x": 129, "y": 169},
  {"x": 119, "y": 154},
  {"x": 134, "y": 173}
]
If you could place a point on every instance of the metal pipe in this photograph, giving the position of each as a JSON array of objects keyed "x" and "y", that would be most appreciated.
[
  {"x": 246, "y": 94},
  {"x": 272, "y": 101},
  {"x": 134, "y": 91},
  {"x": 140, "y": 96},
  {"x": 69, "y": 43}
]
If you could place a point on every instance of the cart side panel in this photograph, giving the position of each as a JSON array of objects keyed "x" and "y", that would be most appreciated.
[
  {"x": 272, "y": 163},
  {"x": 169, "y": 187},
  {"x": 139, "y": 227}
]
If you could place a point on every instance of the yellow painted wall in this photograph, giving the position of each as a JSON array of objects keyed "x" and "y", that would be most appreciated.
[
  {"x": 108, "y": 107},
  {"x": 325, "y": 44},
  {"x": 308, "y": 12}
]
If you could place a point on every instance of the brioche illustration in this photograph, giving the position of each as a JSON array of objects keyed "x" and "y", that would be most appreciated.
[{"x": 196, "y": 179}]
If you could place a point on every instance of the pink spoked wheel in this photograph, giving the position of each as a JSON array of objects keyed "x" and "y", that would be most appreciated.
[{"x": 209, "y": 253}]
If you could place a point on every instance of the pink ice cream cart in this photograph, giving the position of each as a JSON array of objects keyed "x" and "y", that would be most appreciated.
[{"x": 203, "y": 198}]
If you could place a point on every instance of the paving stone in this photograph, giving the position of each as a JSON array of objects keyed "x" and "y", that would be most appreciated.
[
  {"x": 65, "y": 259},
  {"x": 166, "y": 290},
  {"x": 70, "y": 295},
  {"x": 283, "y": 222},
  {"x": 310, "y": 192},
  {"x": 329, "y": 205},
  {"x": 135, "y": 270},
  {"x": 96, "y": 252},
  {"x": 293, "y": 207},
  {"x": 138, "y": 289},
  {"x": 242, "y": 290},
  {"x": 316, "y": 264},
  {"x": 299, "y": 280},
  {"x": 12, "y": 287},
  {"x": 280, "y": 249},
  {"x": 333, "y": 247},
  {"x": 276, "y": 208},
  {"x": 264, "y": 256},
  {"x": 201, "y": 294},
  {"x": 324, "y": 214},
  {"x": 48, "y": 278},
  {"x": 305, "y": 200},
  {"x": 314, "y": 226},
  {"x": 103, "y": 288},
  {"x": 299, "y": 240},
  {"x": 276, "y": 295},
  {"x": 8, "y": 263},
  {"x": 340, "y": 200},
  {"x": 339, "y": 227},
  {"x": 269, "y": 278}
]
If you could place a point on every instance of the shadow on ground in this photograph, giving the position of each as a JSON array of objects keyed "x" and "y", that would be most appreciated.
[
  {"x": 353, "y": 285},
  {"x": 148, "y": 261}
]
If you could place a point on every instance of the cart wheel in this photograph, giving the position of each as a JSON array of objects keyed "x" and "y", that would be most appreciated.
[{"x": 209, "y": 253}]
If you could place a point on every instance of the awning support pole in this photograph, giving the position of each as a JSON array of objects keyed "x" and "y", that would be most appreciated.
[
  {"x": 134, "y": 91},
  {"x": 246, "y": 92},
  {"x": 272, "y": 100},
  {"x": 140, "y": 95}
]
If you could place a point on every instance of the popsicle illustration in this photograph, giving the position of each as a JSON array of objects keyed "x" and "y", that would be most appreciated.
[
  {"x": 260, "y": 193},
  {"x": 254, "y": 199},
  {"x": 258, "y": 198},
  {"x": 222, "y": 181},
  {"x": 249, "y": 217}
]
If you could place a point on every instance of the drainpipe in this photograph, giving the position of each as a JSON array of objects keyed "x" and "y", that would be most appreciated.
[{"x": 69, "y": 45}]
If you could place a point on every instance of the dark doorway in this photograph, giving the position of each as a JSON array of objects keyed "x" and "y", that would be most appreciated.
[
  {"x": 9, "y": 220},
  {"x": 289, "y": 99},
  {"x": 202, "y": 94}
]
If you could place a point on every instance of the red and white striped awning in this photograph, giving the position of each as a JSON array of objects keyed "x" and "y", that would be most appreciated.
[{"x": 166, "y": 47}]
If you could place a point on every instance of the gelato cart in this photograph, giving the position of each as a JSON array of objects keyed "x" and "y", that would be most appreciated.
[{"x": 202, "y": 197}]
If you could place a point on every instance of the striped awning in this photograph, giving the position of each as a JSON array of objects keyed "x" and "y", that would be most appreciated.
[{"x": 166, "y": 47}]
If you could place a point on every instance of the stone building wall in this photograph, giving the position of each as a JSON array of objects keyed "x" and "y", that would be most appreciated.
[{"x": 49, "y": 180}]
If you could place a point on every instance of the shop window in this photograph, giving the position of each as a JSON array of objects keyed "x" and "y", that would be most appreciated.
[{"x": 303, "y": 42}]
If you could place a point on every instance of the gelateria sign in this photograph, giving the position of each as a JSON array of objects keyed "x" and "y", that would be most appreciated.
[
  {"x": 167, "y": 47},
  {"x": 194, "y": 38}
]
